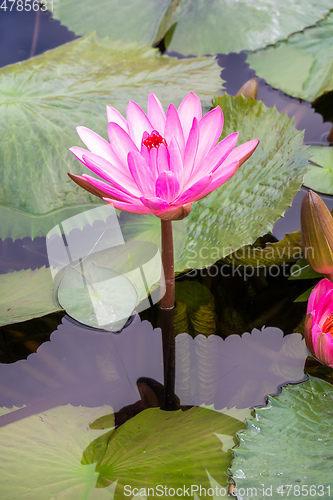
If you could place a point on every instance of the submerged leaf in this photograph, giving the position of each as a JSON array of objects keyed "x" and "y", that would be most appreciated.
[
  {"x": 97, "y": 297},
  {"x": 195, "y": 309},
  {"x": 288, "y": 444}
]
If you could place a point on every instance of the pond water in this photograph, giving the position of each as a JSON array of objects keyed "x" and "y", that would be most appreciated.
[{"x": 54, "y": 360}]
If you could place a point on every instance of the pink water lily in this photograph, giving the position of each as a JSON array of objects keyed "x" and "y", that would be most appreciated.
[
  {"x": 318, "y": 327},
  {"x": 159, "y": 163}
]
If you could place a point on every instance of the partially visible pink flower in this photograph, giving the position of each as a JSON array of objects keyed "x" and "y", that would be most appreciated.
[
  {"x": 318, "y": 327},
  {"x": 159, "y": 163}
]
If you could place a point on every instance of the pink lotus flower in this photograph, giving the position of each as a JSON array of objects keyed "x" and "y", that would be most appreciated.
[
  {"x": 159, "y": 163},
  {"x": 318, "y": 328}
]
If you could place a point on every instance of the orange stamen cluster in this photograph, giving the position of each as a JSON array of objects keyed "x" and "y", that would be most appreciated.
[
  {"x": 328, "y": 325},
  {"x": 154, "y": 140}
]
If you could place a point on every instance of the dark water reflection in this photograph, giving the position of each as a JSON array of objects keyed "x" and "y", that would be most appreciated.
[{"x": 86, "y": 367}]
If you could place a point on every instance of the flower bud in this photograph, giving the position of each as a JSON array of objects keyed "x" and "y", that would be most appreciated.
[
  {"x": 249, "y": 89},
  {"x": 317, "y": 233},
  {"x": 318, "y": 327}
]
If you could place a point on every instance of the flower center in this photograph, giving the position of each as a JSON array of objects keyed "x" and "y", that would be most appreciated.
[
  {"x": 328, "y": 325},
  {"x": 154, "y": 140}
]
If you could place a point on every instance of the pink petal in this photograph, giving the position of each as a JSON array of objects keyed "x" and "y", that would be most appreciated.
[
  {"x": 167, "y": 186},
  {"x": 175, "y": 160},
  {"x": 323, "y": 347},
  {"x": 243, "y": 152},
  {"x": 134, "y": 208},
  {"x": 121, "y": 144},
  {"x": 141, "y": 173},
  {"x": 155, "y": 204},
  {"x": 189, "y": 108},
  {"x": 138, "y": 122},
  {"x": 162, "y": 159},
  {"x": 153, "y": 162},
  {"x": 156, "y": 114},
  {"x": 319, "y": 290},
  {"x": 110, "y": 190},
  {"x": 324, "y": 308},
  {"x": 224, "y": 176},
  {"x": 216, "y": 157},
  {"x": 113, "y": 115},
  {"x": 194, "y": 192},
  {"x": 191, "y": 150},
  {"x": 173, "y": 128},
  {"x": 105, "y": 169},
  {"x": 210, "y": 129},
  {"x": 96, "y": 144}
]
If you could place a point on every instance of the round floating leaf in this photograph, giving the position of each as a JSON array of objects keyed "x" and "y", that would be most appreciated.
[
  {"x": 97, "y": 296},
  {"x": 26, "y": 294},
  {"x": 320, "y": 176},
  {"x": 130, "y": 20},
  {"x": 289, "y": 442},
  {"x": 196, "y": 28},
  {"x": 41, "y": 455},
  {"x": 302, "y": 65},
  {"x": 286, "y": 250},
  {"x": 249, "y": 204},
  {"x": 243, "y": 25},
  {"x": 174, "y": 449},
  {"x": 40, "y": 108}
]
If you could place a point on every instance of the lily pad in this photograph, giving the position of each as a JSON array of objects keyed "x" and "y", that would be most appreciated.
[
  {"x": 194, "y": 27},
  {"x": 249, "y": 204},
  {"x": 286, "y": 250},
  {"x": 41, "y": 455},
  {"x": 26, "y": 294},
  {"x": 302, "y": 65},
  {"x": 320, "y": 176},
  {"x": 173, "y": 449},
  {"x": 40, "y": 108},
  {"x": 288, "y": 446}
]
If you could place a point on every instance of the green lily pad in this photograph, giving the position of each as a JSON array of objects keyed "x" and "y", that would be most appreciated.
[
  {"x": 40, "y": 108},
  {"x": 287, "y": 447},
  {"x": 41, "y": 455},
  {"x": 26, "y": 294},
  {"x": 249, "y": 204},
  {"x": 320, "y": 176},
  {"x": 173, "y": 449},
  {"x": 194, "y": 27},
  {"x": 286, "y": 250},
  {"x": 302, "y": 65}
]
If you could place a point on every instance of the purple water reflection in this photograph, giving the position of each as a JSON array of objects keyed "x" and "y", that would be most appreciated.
[{"x": 86, "y": 367}]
